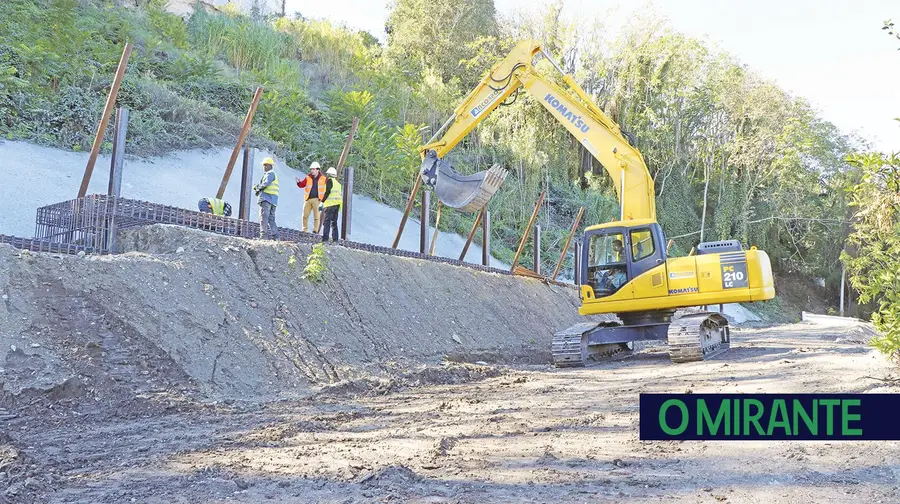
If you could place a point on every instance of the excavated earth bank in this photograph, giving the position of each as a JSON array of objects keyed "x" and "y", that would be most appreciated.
[{"x": 195, "y": 315}]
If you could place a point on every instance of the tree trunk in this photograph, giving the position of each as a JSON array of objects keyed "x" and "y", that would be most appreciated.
[
  {"x": 283, "y": 8},
  {"x": 586, "y": 158},
  {"x": 705, "y": 192}
]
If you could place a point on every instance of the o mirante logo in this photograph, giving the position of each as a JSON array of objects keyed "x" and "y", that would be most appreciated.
[{"x": 737, "y": 417}]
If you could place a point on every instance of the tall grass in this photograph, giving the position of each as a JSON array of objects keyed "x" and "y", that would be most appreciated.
[
  {"x": 338, "y": 54},
  {"x": 245, "y": 44}
]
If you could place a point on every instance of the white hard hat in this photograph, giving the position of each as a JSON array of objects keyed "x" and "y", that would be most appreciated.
[
  {"x": 315, "y": 164},
  {"x": 331, "y": 172}
]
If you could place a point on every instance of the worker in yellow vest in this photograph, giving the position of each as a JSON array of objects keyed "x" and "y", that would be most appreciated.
[
  {"x": 214, "y": 206},
  {"x": 267, "y": 190},
  {"x": 332, "y": 205}
]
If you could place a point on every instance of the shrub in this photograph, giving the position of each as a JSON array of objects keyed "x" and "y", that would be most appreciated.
[
  {"x": 316, "y": 264},
  {"x": 228, "y": 96}
]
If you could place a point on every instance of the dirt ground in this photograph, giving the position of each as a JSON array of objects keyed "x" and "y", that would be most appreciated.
[
  {"x": 200, "y": 368},
  {"x": 528, "y": 434}
]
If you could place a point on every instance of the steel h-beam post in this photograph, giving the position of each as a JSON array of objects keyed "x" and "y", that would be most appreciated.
[
  {"x": 537, "y": 249},
  {"x": 118, "y": 153},
  {"x": 486, "y": 239},
  {"x": 246, "y": 184},
  {"x": 347, "y": 203},
  {"x": 114, "y": 188},
  {"x": 578, "y": 245},
  {"x": 425, "y": 217}
]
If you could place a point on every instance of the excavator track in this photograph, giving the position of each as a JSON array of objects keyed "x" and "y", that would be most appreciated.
[
  {"x": 698, "y": 336},
  {"x": 570, "y": 348}
]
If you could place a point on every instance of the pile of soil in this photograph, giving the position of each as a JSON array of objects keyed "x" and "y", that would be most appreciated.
[{"x": 184, "y": 314}]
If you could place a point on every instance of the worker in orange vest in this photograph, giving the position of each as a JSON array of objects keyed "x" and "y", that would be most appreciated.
[{"x": 314, "y": 187}]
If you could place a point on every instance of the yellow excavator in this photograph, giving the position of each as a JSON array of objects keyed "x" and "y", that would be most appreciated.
[{"x": 625, "y": 269}]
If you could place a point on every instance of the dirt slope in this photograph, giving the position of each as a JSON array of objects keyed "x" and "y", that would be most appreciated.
[{"x": 207, "y": 316}]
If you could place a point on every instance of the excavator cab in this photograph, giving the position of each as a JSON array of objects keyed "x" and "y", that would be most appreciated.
[{"x": 616, "y": 253}]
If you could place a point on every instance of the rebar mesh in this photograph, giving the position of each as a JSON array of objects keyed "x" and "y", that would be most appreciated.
[
  {"x": 36, "y": 245},
  {"x": 88, "y": 224}
]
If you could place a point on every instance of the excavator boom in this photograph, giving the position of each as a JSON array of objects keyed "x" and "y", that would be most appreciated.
[{"x": 573, "y": 108}]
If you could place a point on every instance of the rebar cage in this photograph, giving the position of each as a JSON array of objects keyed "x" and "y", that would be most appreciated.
[{"x": 89, "y": 224}]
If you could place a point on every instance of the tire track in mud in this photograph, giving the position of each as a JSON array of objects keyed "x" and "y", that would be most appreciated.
[{"x": 283, "y": 320}]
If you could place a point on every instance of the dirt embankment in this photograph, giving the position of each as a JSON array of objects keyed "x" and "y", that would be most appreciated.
[{"x": 186, "y": 313}]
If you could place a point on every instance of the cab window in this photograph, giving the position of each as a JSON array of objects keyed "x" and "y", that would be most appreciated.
[
  {"x": 641, "y": 244},
  {"x": 607, "y": 249},
  {"x": 606, "y": 264}
]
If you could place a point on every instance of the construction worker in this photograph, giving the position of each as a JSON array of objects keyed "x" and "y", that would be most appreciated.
[
  {"x": 267, "y": 190},
  {"x": 332, "y": 205},
  {"x": 618, "y": 278},
  {"x": 315, "y": 188},
  {"x": 214, "y": 206},
  {"x": 618, "y": 251}
]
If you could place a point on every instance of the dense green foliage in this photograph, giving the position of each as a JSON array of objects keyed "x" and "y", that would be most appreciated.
[
  {"x": 875, "y": 260},
  {"x": 733, "y": 155},
  {"x": 873, "y": 256}
]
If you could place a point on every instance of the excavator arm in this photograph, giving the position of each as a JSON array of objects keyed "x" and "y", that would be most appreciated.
[{"x": 599, "y": 134}]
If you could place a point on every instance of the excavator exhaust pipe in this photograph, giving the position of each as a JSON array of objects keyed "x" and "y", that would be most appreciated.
[{"x": 466, "y": 193}]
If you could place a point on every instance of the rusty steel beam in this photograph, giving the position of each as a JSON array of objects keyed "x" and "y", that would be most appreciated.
[
  {"x": 346, "y": 151},
  {"x": 565, "y": 249},
  {"x": 104, "y": 120},
  {"x": 248, "y": 120},
  {"x": 437, "y": 221},
  {"x": 462, "y": 255},
  {"x": 534, "y": 215},
  {"x": 409, "y": 206}
]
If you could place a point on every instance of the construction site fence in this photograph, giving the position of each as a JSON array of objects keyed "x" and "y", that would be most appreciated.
[{"x": 90, "y": 224}]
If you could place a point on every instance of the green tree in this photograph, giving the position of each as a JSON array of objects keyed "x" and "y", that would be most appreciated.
[
  {"x": 876, "y": 237},
  {"x": 440, "y": 35}
]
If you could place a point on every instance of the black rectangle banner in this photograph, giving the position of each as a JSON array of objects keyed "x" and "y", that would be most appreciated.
[{"x": 769, "y": 417}]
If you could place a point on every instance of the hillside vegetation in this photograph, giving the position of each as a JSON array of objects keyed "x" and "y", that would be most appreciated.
[{"x": 733, "y": 155}]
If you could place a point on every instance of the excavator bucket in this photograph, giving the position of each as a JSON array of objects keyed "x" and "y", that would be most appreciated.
[{"x": 466, "y": 193}]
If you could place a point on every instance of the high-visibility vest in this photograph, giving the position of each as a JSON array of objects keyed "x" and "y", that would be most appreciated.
[
  {"x": 273, "y": 187},
  {"x": 321, "y": 184},
  {"x": 335, "y": 197},
  {"x": 218, "y": 206}
]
